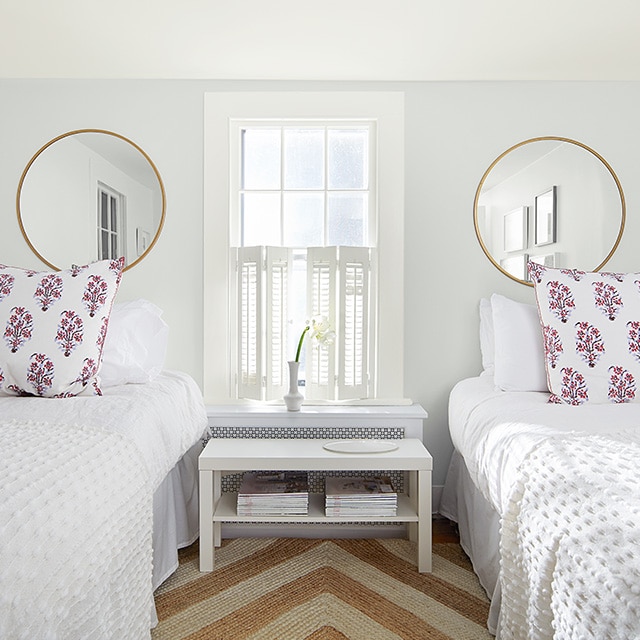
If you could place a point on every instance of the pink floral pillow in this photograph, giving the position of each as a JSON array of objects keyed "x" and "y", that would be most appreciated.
[
  {"x": 591, "y": 334},
  {"x": 53, "y": 328}
]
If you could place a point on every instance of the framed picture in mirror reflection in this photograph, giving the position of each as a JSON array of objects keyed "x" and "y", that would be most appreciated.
[
  {"x": 516, "y": 265},
  {"x": 515, "y": 229},
  {"x": 545, "y": 217}
]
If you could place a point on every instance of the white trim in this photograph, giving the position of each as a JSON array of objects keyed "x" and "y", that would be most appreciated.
[{"x": 387, "y": 110}]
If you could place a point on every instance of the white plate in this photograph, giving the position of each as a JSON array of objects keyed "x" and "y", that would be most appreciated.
[{"x": 361, "y": 446}]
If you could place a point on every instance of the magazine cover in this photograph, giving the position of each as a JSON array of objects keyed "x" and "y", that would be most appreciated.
[
  {"x": 358, "y": 486},
  {"x": 255, "y": 482}
]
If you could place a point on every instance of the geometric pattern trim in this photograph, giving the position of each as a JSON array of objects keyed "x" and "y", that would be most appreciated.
[{"x": 324, "y": 433}]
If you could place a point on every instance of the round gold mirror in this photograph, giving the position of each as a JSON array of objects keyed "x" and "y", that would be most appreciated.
[
  {"x": 90, "y": 195},
  {"x": 551, "y": 200}
]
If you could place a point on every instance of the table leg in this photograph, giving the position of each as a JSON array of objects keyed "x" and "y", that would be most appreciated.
[
  {"x": 424, "y": 521},
  {"x": 217, "y": 493},
  {"x": 412, "y": 478},
  {"x": 206, "y": 520}
]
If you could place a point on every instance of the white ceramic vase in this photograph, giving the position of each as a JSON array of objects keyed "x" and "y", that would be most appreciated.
[{"x": 293, "y": 399}]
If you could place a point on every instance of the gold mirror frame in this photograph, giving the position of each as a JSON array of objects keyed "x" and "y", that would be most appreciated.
[
  {"x": 539, "y": 139},
  {"x": 100, "y": 131}
]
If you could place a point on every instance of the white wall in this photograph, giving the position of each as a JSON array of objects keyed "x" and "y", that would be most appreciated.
[{"x": 453, "y": 132}]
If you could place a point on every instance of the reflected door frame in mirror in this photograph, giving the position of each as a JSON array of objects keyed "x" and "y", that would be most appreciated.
[
  {"x": 528, "y": 217},
  {"x": 143, "y": 238}
]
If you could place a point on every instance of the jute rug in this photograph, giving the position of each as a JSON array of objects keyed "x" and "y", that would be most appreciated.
[{"x": 305, "y": 589}]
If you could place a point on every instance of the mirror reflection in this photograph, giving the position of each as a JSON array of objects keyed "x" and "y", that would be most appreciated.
[
  {"x": 552, "y": 200},
  {"x": 90, "y": 195}
]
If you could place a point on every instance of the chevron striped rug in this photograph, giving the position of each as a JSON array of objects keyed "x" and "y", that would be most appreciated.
[{"x": 306, "y": 589}]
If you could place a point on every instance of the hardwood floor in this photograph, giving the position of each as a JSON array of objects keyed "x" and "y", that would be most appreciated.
[{"x": 444, "y": 530}]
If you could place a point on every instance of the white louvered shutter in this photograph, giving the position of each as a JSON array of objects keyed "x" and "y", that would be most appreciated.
[
  {"x": 263, "y": 277},
  {"x": 250, "y": 317},
  {"x": 338, "y": 288},
  {"x": 354, "y": 268},
  {"x": 277, "y": 276},
  {"x": 322, "y": 265}
]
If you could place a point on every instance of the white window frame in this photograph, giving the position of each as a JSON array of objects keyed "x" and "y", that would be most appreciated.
[
  {"x": 114, "y": 196},
  {"x": 386, "y": 109},
  {"x": 236, "y": 125}
]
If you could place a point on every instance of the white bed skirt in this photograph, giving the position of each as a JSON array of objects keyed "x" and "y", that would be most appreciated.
[
  {"x": 479, "y": 529},
  {"x": 175, "y": 515}
]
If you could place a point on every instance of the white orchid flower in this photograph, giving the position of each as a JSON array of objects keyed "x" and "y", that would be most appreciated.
[{"x": 320, "y": 330}]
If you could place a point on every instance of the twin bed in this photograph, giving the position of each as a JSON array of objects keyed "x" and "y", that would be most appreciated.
[
  {"x": 98, "y": 478},
  {"x": 96, "y": 496},
  {"x": 546, "y": 493}
]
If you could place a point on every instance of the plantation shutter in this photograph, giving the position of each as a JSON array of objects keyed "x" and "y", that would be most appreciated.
[
  {"x": 353, "y": 333},
  {"x": 338, "y": 288},
  {"x": 263, "y": 277},
  {"x": 322, "y": 264},
  {"x": 278, "y": 261},
  {"x": 250, "y": 318}
]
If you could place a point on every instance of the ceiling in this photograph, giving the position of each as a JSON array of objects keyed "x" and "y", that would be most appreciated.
[{"x": 403, "y": 40}]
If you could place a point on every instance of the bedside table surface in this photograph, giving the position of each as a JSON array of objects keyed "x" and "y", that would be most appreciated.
[{"x": 239, "y": 454}]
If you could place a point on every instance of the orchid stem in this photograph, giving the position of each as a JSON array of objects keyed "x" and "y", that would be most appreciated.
[{"x": 304, "y": 331}]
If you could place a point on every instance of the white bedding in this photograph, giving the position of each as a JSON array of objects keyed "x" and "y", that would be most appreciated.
[
  {"x": 163, "y": 418},
  {"x": 570, "y": 541},
  {"x": 77, "y": 486},
  {"x": 69, "y": 569},
  {"x": 569, "y": 564},
  {"x": 494, "y": 430}
]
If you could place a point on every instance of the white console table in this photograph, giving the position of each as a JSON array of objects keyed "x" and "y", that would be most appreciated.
[{"x": 245, "y": 454}]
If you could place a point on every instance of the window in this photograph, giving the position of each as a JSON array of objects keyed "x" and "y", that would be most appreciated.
[
  {"x": 309, "y": 188},
  {"x": 303, "y": 217},
  {"x": 110, "y": 223}
]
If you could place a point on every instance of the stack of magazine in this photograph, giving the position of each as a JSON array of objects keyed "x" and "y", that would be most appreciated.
[
  {"x": 360, "y": 496},
  {"x": 280, "y": 493}
]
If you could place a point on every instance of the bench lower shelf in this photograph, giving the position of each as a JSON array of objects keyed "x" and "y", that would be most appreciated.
[{"x": 226, "y": 511}]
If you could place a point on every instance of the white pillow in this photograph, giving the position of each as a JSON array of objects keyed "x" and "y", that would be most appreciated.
[
  {"x": 591, "y": 334},
  {"x": 136, "y": 345},
  {"x": 519, "y": 348},
  {"x": 487, "y": 344},
  {"x": 54, "y": 325}
]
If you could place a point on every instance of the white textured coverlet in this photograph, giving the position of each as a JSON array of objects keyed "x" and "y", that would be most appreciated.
[
  {"x": 75, "y": 536},
  {"x": 570, "y": 541}
]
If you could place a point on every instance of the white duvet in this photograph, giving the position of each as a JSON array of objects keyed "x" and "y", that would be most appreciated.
[
  {"x": 570, "y": 541},
  {"x": 565, "y": 482},
  {"x": 495, "y": 430},
  {"x": 162, "y": 418},
  {"x": 77, "y": 478}
]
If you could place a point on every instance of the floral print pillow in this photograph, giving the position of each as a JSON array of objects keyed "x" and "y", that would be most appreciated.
[
  {"x": 53, "y": 328},
  {"x": 591, "y": 334}
]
